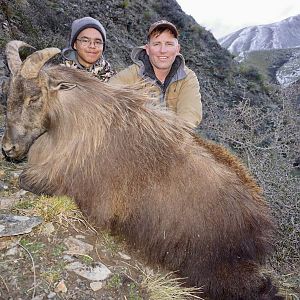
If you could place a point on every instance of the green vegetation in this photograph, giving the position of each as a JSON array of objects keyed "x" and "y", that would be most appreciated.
[
  {"x": 53, "y": 273},
  {"x": 50, "y": 208},
  {"x": 124, "y": 4},
  {"x": 109, "y": 242},
  {"x": 197, "y": 29},
  {"x": 58, "y": 250},
  {"x": 115, "y": 281},
  {"x": 32, "y": 247},
  {"x": 134, "y": 292},
  {"x": 25, "y": 204},
  {"x": 251, "y": 73},
  {"x": 147, "y": 15},
  {"x": 86, "y": 259}
]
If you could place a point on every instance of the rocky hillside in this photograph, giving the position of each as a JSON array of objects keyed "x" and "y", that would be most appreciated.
[
  {"x": 47, "y": 23},
  {"x": 241, "y": 110},
  {"x": 280, "y": 66},
  {"x": 279, "y": 35}
]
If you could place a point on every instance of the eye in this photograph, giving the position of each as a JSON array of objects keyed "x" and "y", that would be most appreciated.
[
  {"x": 98, "y": 43},
  {"x": 84, "y": 40},
  {"x": 33, "y": 99}
]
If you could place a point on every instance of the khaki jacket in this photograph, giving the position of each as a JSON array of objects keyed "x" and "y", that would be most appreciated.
[{"x": 182, "y": 94}]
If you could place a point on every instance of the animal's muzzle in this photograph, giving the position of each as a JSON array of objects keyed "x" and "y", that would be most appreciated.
[
  {"x": 11, "y": 153},
  {"x": 9, "y": 149}
]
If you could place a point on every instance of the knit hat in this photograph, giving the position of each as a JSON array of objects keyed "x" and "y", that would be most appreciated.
[
  {"x": 165, "y": 25},
  {"x": 83, "y": 23}
]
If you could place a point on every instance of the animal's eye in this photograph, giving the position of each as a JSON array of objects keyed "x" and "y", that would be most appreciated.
[{"x": 33, "y": 99}]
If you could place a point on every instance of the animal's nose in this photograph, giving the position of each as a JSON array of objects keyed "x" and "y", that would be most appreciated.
[{"x": 8, "y": 150}]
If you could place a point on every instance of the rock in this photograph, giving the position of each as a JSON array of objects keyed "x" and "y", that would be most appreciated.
[
  {"x": 39, "y": 297},
  {"x": 14, "y": 225},
  {"x": 61, "y": 287},
  {"x": 80, "y": 237},
  {"x": 3, "y": 185},
  {"x": 97, "y": 272},
  {"x": 76, "y": 246},
  {"x": 51, "y": 295},
  {"x": 12, "y": 251},
  {"x": 6, "y": 242},
  {"x": 124, "y": 256},
  {"x": 7, "y": 202},
  {"x": 96, "y": 285},
  {"x": 68, "y": 258},
  {"x": 48, "y": 228}
]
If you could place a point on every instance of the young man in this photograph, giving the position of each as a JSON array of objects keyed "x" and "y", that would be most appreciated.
[
  {"x": 86, "y": 47},
  {"x": 160, "y": 65}
]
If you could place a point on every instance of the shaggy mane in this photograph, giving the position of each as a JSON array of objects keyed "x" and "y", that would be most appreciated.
[{"x": 137, "y": 169}]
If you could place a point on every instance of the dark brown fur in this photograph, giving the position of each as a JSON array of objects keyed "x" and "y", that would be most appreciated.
[{"x": 186, "y": 203}]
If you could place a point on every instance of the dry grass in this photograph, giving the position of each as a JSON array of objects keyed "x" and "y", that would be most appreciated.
[
  {"x": 61, "y": 210},
  {"x": 166, "y": 287}
]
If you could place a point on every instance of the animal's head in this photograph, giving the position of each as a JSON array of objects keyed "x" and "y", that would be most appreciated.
[{"x": 27, "y": 99}]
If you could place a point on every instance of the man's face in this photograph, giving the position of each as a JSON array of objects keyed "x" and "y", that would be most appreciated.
[
  {"x": 89, "y": 46},
  {"x": 162, "y": 50}
]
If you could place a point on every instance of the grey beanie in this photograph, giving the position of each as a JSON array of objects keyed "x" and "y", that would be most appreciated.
[{"x": 83, "y": 23}]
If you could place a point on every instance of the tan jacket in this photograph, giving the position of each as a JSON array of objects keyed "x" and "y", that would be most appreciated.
[{"x": 181, "y": 95}]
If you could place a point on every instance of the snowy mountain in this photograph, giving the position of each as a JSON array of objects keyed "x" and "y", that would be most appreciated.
[
  {"x": 263, "y": 44},
  {"x": 279, "y": 35}
]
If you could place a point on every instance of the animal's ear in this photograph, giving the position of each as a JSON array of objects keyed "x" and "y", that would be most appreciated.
[
  {"x": 66, "y": 86},
  {"x": 61, "y": 85}
]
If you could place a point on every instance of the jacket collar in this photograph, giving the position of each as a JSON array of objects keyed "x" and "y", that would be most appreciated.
[{"x": 70, "y": 54}]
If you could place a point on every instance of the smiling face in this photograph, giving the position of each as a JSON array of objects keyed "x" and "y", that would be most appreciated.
[
  {"x": 89, "y": 46},
  {"x": 162, "y": 50}
]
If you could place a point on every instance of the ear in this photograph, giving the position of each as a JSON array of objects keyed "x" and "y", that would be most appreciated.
[
  {"x": 60, "y": 85},
  {"x": 66, "y": 86},
  {"x": 178, "y": 48},
  {"x": 147, "y": 48}
]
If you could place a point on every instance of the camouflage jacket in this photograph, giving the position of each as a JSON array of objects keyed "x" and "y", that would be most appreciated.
[{"x": 101, "y": 69}]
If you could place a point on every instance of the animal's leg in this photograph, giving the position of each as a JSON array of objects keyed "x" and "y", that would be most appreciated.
[
  {"x": 26, "y": 184},
  {"x": 241, "y": 281}
]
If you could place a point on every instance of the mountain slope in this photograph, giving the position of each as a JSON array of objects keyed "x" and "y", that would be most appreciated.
[
  {"x": 280, "y": 66},
  {"x": 240, "y": 110},
  {"x": 47, "y": 23},
  {"x": 278, "y": 35}
]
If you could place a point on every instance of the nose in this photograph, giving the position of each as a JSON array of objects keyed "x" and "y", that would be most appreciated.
[
  {"x": 92, "y": 44},
  {"x": 8, "y": 149},
  {"x": 163, "y": 48}
]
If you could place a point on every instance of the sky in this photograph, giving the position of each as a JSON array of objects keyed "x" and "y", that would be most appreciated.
[{"x": 222, "y": 17}]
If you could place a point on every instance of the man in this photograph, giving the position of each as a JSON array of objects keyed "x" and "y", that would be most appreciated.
[
  {"x": 160, "y": 65},
  {"x": 86, "y": 47}
]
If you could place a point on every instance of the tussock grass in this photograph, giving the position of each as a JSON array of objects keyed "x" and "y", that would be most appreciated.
[
  {"x": 61, "y": 210},
  {"x": 165, "y": 287},
  {"x": 56, "y": 209}
]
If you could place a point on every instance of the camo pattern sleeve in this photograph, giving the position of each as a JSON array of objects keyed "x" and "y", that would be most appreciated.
[{"x": 101, "y": 69}]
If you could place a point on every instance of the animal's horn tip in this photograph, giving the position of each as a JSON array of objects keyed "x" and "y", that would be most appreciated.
[{"x": 55, "y": 50}]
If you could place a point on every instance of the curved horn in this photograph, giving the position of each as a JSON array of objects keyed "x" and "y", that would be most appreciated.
[
  {"x": 34, "y": 62},
  {"x": 12, "y": 55}
]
